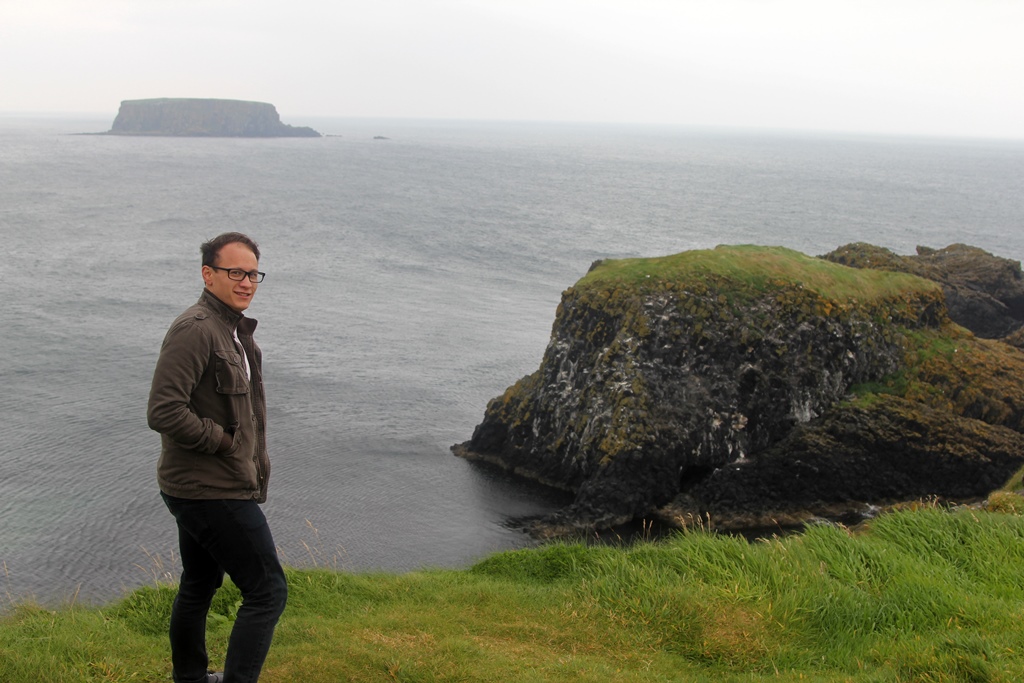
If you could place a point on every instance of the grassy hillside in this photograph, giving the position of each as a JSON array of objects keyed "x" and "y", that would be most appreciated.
[{"x": 921, "y": 595}]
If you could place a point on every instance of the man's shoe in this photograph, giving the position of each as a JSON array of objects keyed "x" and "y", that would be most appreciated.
[{"x": 214, "y": 677}]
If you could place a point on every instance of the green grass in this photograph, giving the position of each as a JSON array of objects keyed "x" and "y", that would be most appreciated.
[
  {"x": 755, "y": 267},
  {"x": 922, "y": 595}
]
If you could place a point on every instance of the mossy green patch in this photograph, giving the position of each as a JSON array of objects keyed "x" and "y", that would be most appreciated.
[
  {"x": 951, "y": 369},
  {"x": 752, "y": 270}
]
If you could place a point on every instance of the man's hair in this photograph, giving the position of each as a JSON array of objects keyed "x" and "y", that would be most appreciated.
[{"x": 211, "y": 249}]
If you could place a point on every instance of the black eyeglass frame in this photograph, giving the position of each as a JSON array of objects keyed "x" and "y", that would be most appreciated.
[{"x": 253, "y": 275}]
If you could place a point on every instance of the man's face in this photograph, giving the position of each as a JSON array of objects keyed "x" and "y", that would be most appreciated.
[{"x": 235, "y": 294}]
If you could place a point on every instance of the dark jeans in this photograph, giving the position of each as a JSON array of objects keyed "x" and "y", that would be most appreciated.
[{"x": 214, "y": 537}]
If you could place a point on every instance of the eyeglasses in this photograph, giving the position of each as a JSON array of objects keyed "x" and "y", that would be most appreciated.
[{"x": 237, "y": 274}]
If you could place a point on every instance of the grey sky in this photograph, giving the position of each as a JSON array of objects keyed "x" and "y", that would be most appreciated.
[{"x": 929, "y": 67}]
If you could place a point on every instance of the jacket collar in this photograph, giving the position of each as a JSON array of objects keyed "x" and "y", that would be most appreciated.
[{"x": 229, "y": 315}]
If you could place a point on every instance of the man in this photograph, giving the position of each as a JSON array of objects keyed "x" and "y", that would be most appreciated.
[{"x": 207, "y": 403}]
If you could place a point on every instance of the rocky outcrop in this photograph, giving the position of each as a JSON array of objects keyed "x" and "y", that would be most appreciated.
[
  {"x": 751, "y": 383},
  {"x": 190, "y": 117},
  {"x": 1015, "y": 338},
  {"x": 984, "y": 293},
  {"x": 860, "y": 454}
]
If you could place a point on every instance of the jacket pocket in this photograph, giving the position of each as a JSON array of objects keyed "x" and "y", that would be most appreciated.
[
  {"x": 236, "y": 438},
  {"x": 230, "y": 373}
]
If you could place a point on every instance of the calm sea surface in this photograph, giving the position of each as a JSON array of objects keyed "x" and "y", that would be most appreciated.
[{"x": 409, "y": 281}]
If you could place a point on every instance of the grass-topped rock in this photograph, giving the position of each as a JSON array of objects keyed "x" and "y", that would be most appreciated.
[{"x": 741, "y": 382}]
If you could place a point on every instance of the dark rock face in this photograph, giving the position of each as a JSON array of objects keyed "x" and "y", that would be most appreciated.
[
  {"x": 885, "y": 451},
  {"x": 188, "y": 117},
  {"x": 984, "y": 293},
  {"x": 728, "y": 392}
]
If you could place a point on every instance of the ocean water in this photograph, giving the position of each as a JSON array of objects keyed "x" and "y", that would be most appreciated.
[{"x": 409, "y": 280}]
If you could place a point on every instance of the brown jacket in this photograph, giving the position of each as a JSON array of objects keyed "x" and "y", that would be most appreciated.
[{"x": 199, "y": 393}]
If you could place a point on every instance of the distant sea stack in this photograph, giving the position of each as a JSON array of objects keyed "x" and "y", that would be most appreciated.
[{"x": 197, "y": 117}]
